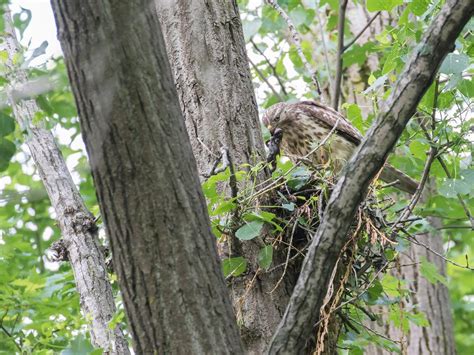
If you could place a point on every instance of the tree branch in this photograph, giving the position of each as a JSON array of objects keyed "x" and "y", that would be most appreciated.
[
  {"x": 348, "y": 45},
  {"x": 340, "y": 50},
  {"x": 302, "y": 312},
  {"x": 297, "y": 42},
  {"x": 272, "y": 67},
  {"x": 75, "y": 221},
  {"x": 265, "y": 80}
]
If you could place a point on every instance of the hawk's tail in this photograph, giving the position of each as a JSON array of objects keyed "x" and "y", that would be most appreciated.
[{"x": 399, "y": 179}]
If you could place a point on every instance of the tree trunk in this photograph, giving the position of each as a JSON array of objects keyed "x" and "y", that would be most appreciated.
[
  {"x": 146, "y": 178},
  {"x": 78, "y": 230},
  {"x": 206, "y": 48}
]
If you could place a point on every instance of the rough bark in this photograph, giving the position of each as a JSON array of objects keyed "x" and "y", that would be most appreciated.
[
  {"x": 76, "y": 223},
  {"x": 146, "y": 178},
  {"x": 302, "y": 312},
  {"x": 206, "y": 48}
]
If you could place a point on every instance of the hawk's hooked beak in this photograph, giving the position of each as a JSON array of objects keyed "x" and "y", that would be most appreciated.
[{"x": 271, "y": 129}]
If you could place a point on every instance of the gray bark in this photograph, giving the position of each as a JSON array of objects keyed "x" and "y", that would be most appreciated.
[
  {"x": 206, "y": 48},
  {"x": 75, "y": 221},
  {"x": 146, "y": 178},
  {"x": 305, "y": 303}
]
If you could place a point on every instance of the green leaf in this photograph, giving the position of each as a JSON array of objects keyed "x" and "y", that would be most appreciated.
[
  {"x": 451, "y": 187},
  {"x": 382, "y": 5},
  {"x": 30, "y": 286},
  {"x": 354, "y": 114},
  {"x": 7, "y": 124},
  {"x": 79, "y": 346},
  {"x": 357, "y": 54},
  {"x": 418, "y": 7},
  {"x": 234, "y": 266},
  {"x": 295, "y": 58},
  {"x": 430, "y": 272},
  {"x": 289, "y": 206},
  {"x": 418, "y": 149},
  {"x": 251, "y": 28},
  {"x": 265, "y": 257},
  {"x": 298, "y": 16},
  {"x": 466, "y": 87},
  {"x": 249, "y": 230},
  {"x": 454, "y": 63},
  {"x": 22, "y": 20},
  {"x": 224, "y": 207},
  {"x": 7, "y": 149},
  {"x": 418, "y": 318}
]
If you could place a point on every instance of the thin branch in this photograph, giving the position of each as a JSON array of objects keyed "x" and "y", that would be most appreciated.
[
  {"x": 419, "y": 190},
  {"x": 272, "y": 67},
  {"x": 325, "y": 49},
  {"x": 348, "y": 45},
  {"x": 415, "y": 241},
  {"x": 448, "y": 175},
  {"x": 340, "y": 50},
  {"x": 461, "y": 200},
  {"x": 297, "y": 42},
  {"x": 264, "y": 78}
]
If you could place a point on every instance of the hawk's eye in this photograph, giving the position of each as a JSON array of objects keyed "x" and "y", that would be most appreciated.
[{"x": 277, "y": 118}]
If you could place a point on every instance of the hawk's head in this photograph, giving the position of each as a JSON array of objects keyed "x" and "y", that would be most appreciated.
[{"x": 274, "y": 115}]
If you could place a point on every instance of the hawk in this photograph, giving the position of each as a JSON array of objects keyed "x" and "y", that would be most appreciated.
[{"x": 304, "y": 125}]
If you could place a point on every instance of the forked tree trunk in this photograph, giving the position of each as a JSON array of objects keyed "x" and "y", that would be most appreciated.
[
  {"x": 206, "y": 48},
  {"x": 146, "y": 178}
]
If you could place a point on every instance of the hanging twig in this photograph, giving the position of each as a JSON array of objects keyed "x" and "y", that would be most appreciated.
[
  {"x": 419, "y": 190},
  {"x": 264, "y": 78},
  {"x": 348, "y": 45},
  {"x": 297, "y": 42},
  {"x": 272, "y": 67},
  {"x": 412, "y": 239},
  {"x": 325, "y": 50},
  {"x": 460, "y": 199},
  {"x": 340, "y": 50}
]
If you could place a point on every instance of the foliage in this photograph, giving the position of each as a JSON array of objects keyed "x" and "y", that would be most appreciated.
[
  {"x": 371, "y": 66},
  {"x": 39, "y": 308}
]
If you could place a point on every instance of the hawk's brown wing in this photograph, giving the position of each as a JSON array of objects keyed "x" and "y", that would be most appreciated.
[{"x": 328, "y": 117}]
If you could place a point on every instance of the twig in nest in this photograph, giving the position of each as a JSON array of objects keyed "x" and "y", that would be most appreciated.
[{"x": 287, "y": 256}]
